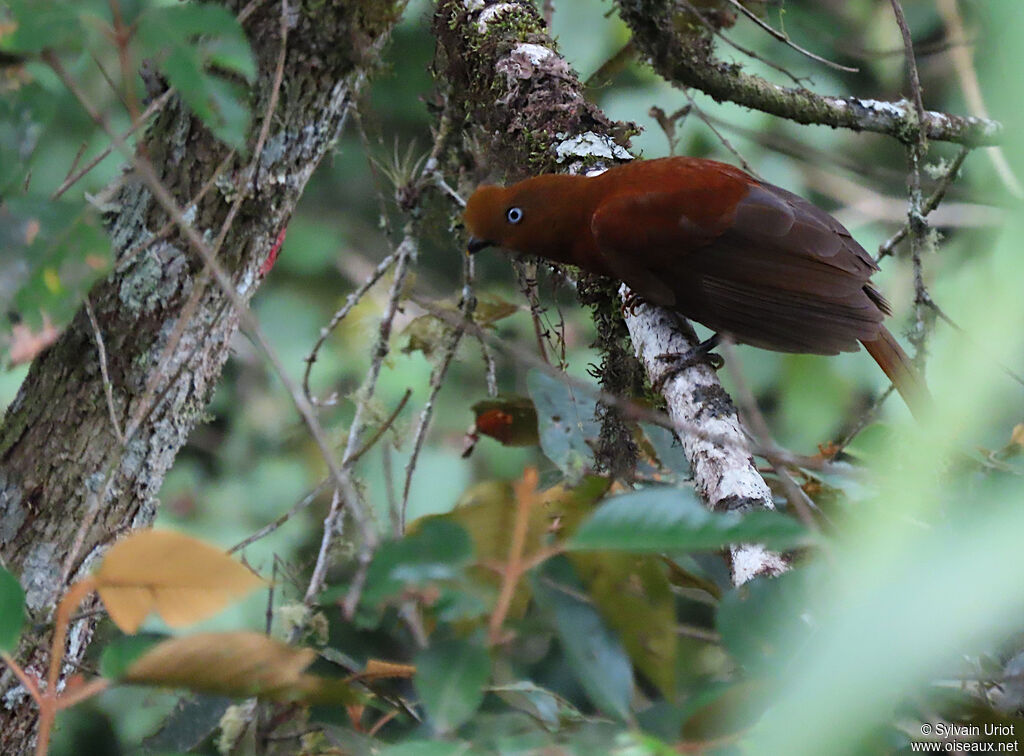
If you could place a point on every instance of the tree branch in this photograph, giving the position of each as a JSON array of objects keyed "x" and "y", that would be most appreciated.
[{"x": 687, "y": 60}]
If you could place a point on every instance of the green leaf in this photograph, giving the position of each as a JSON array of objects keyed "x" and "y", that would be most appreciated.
[
  {"x": 671, "y": 519},
  {"x": 186, "y": 40},
  {"x": 178, "y": 25},
  {"x": 62, "y": 251},
  {"x": 450, "y": 680},
  {"x": 595, "y": 654},
  {"x": 121, "y": 653},
  {"x": 12, "y": 610},
  {"x": 546, "y": 707},
  {"x": 41, "y": 24},
  {"x": 669, "y": 450},
  {"x": 435, "y": 551},
  {"x": 84, "y": 729},
  {"x": 634, "y": 597},
  {"x": 565, "y": 421},
  {"x": 750, "y": 618},
  {"x": 191, "y": 722}
]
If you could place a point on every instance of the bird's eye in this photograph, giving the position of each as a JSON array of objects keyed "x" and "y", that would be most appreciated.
[{"x": 514, "y": 214}]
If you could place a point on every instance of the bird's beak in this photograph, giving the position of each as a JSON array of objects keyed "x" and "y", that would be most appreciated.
[{"x": 474, "y": 245}]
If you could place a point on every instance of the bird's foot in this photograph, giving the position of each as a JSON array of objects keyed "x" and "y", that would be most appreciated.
[
  {"x": 631, "y": 302},
  {"x": 682, "y": 360}
]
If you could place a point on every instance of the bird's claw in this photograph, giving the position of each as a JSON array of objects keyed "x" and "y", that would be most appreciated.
[
  {"x": 632, "y": 302},
  {"x": 700, "y": 353}
]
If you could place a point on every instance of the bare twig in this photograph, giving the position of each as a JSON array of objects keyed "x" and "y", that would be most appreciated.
[
  {"x": 437, "y": 378},
  {"x": 154, "y": 107},
  {"x": 745, "y": 50},
  {"x": 350, "y": 302},
  {"x": 332, "y": 523},
  {"x": 862, "y": 422},
  {"x": 887, "y": 247},
  {"x": 959, "y": 329},
  {"x": 266, "y": 530},
  {"x": 108, "y": 389},
  {"x": 796, "y": 496},
  {"x": 916, "y": 221},
  {"x": 526, "y": 272},
  {"x": 694, "y": 107},
  {"x": 785, "y": 39}
]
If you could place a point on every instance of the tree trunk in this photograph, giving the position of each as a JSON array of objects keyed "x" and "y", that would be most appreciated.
[{"x": 61, "y": 461}]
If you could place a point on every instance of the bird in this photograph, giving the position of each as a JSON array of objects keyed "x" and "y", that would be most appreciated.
[{"x": 749, "y": 260}]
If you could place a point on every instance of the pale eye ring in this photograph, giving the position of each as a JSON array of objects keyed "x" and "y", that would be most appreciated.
[{"x": 514, "y": 214}]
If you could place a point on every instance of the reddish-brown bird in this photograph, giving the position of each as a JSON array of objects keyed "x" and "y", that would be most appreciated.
[{"x": 742, "y": 257}]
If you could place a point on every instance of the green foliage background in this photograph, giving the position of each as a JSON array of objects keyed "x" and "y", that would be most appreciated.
[{"x": 908, "y": 607}]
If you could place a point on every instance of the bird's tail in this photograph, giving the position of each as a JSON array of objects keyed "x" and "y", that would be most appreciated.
[{"x": 895, "y": 363}]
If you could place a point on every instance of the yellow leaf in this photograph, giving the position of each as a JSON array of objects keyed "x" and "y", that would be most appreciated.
[
  {"x": 52, "y": 280},
  {"x": 182, "y": 579},
  {"x": 1017, "y": 436},
  {"x": 237, "y": 664}
]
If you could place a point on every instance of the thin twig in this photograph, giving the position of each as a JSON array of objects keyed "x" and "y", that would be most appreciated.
[
  {"x": 350, "y": 302},
  {"x": 381, "y": 430},
  {"x": 796, "y": 496},
  {"x": 862, "y": 422},
  {"x": 437, "y": 378},
  {"x": 745, "y": 50},
  {"x": 333, "y": 522},
  {"x": 936, "y": 197},
  {"x": 405, "y": 254},
  {"x": 108, "y": 388},
  {"x": 785, "y": 39},
  {"x": 526, "y": 272},
  {"x": 915, "y": 217},
  {"x": 266, "y": 530},
  {"x": 154, "y": 107},
  {"x": 963, "y": 332},
  {"x": 721, "y": 137},
  {"x": 26, "y": 681}
]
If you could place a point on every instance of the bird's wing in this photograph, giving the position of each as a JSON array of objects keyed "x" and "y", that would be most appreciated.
[{"x": 770, "y": 269}]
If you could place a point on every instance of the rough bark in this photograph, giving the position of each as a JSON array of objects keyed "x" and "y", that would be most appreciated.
[
  {"x": 57, "y": 443},
  {"x": 524, "y": 108}
]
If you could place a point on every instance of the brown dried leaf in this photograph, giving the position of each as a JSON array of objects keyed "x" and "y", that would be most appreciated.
[
  {"x": 182, "y": 579},
  {"x": 239, "y": 664},
  {"x": 26, "y": 344}
]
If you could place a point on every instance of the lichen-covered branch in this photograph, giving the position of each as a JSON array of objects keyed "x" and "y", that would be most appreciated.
[
  {"x": 524, "y": 112},
  {"x": 719, "y": 455},
  {"x": 59, "y": 449},
  {"x": 687, "y": 59}
]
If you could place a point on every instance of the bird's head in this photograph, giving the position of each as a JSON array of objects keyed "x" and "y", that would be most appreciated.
[{"x": 536, "y": 217}]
